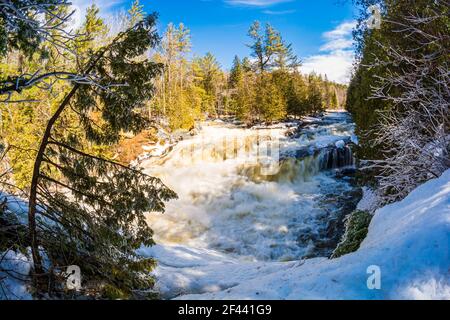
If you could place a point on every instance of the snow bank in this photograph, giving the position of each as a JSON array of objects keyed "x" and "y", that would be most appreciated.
[
  {"x": 16, "y": 268},
  {"x": 409, "y": 241},
  {"x": 16, "y": 206},
  {"x": 182, "y": 270}
]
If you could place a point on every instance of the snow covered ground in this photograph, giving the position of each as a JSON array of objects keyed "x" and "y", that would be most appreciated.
[
  {"x": 409, "y": 241},
  {"x": 13, "y": 285}
]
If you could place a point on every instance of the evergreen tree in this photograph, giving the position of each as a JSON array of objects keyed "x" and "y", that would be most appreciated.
[
  {"x": 334, "y": 103},
  {"x": 246, "y": 65},
  {"x": 236, "y": 73},
  {"x": 136, "y": 13},
  {"x": 267, "y": 45},
  {"x": 270, "y": 103},
  {"x": 93, "y": 215},
  {"x": 42, "y": 23},
  {"x": 396, "y": 95},
  {"x": 207, "y": 75},
  {"x": 174, "y": 88},
  {"x": 315, "y": 100},
  {"x": 296, "y": 95},
  {"x": 45, "y": 29},
  {"x": 327, "y": 92},
  {"x": 286, "y": 59},
  {"x": 92, "y": 32},
  {"x": 243, "y": 99}
]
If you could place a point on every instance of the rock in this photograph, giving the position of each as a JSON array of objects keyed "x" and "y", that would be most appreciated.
[
  {"x": 302, "y": 153},
  {"x": 356, "y": 229},
  {"x": 305, "y": 236},
  {"x": 340, "y": 144},
  {"x": 346, "y": 172}
]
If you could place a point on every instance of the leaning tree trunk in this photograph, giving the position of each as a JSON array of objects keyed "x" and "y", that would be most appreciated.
[
  {"x": 35, "y": 182},
  {"x": 32, "y": 210}
]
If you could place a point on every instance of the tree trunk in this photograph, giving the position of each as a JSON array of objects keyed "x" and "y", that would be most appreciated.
[
  {"x": 32, "y": 210},
  {"x": 35, "y": 181}
]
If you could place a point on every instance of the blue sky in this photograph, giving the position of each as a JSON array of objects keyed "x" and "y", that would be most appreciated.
[{"x": 320, "y": 31}]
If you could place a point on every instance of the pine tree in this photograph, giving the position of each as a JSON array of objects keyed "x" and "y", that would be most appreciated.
[
  {"x": 270, "y": 103},
  {"x": 42, "y": 23},
  {"x": 267, "y": 45},
  {"x": 315, "y": 99},
  {"x": 92, "y": 32},
  {"x": 327, "y": 92},
  {"x": 286, "y": 59},
  {"x": 334, "y": 103},
  {"x": 175, "y": 84},
  {"x": 136, "y": 13},
  {"x": 246, "y": 65},
  {"x": 93, "y": 215},
  {"x": 207, "y": 76},
  {"x": 296, "y": 95},
  {"x": 243, "y": 99},
  {"x": 399, "y": 96},
  {"x": 236, "y": 73}
]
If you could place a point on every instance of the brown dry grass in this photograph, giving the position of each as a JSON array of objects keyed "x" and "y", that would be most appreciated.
[{"x": 129, "y": 149}]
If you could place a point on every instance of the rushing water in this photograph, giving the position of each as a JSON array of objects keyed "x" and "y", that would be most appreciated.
[{"x": 229, "y": 202}]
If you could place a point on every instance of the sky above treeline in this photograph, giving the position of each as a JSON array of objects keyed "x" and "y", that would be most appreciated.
[{"x": 320, "y": 30}]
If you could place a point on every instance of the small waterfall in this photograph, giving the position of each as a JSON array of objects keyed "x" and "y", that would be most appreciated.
[
  {"x": 336, "y": 158},
  {"x": 304, "y": 166},
  {"x": 290, "y": 170},
  {"x": 228, "y": 201}
]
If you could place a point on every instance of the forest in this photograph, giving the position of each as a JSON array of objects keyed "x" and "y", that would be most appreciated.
[{"x": 78, "y": 105}]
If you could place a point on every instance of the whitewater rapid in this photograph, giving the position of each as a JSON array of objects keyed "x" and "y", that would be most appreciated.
[{"x": 234, "y": 199}]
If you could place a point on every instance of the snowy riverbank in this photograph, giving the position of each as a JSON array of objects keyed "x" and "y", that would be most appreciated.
[
  {"x": 230, "y": 231},
  {"x": 408, "y": 240}
]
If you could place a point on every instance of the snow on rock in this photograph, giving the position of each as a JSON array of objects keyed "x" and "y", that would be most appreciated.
[
  {"x": 409, "y": 241},
  {"x": 369, "y": 200},
  {"x": 340, "y": 144},
  {"x": 156, "y": 150}
]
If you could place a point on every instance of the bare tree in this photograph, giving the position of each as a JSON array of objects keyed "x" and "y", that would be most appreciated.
[
  {"x": 417, "y": 83},
  {"x": 26, "y": 25}
]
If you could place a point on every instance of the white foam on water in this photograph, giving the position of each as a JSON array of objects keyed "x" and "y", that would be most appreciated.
[{"x": 225, "y": 203}]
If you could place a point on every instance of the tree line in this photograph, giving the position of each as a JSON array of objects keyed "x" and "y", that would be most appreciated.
[{"x": 266, "y": 87}]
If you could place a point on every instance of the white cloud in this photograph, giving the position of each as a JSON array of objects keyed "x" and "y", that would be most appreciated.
[
  {"x": 256, "y": 3},
  {"x": 336, "y": 65},
  {"x": 337, "y": 44},
  {"x": 341, "y": 31},
  {"x": 80, "y": 7},
  {"x": 337, "y": 55},
  {"x": 281, "y": 12}
]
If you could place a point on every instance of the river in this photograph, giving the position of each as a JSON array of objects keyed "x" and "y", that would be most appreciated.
[{"x": 262, "y": 194}]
